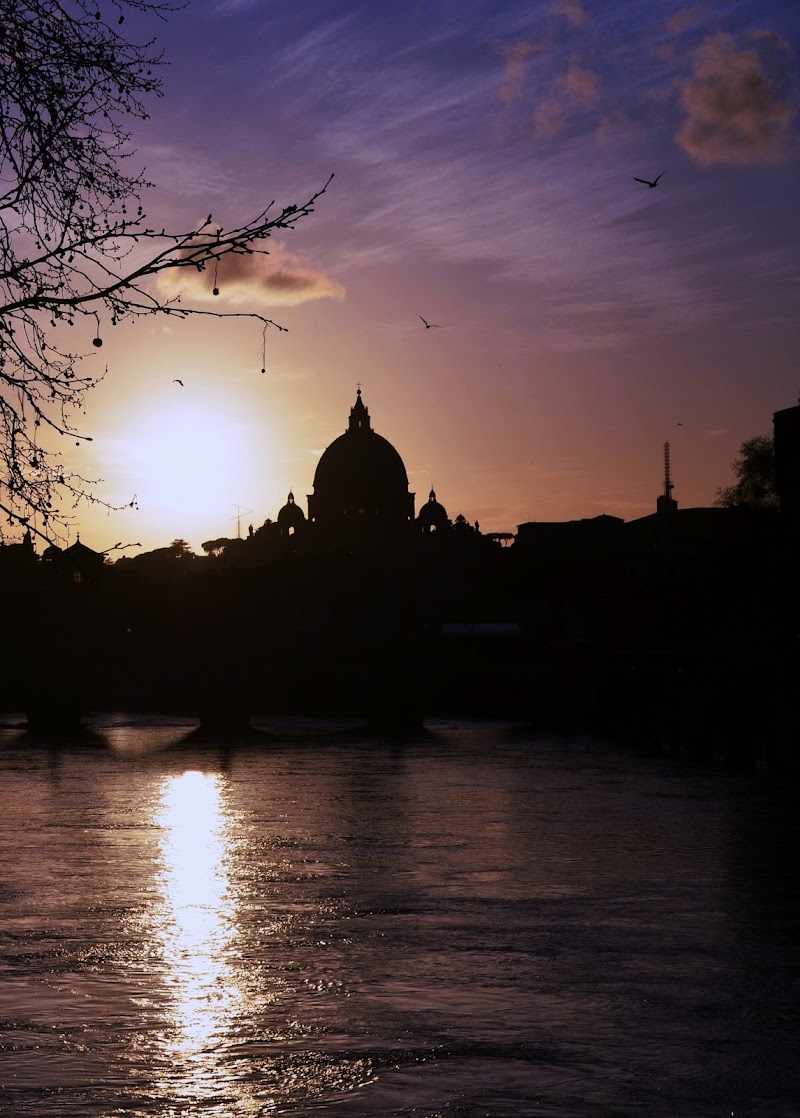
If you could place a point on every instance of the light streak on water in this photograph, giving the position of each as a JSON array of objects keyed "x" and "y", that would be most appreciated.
[{"x": 196, "y": 932}]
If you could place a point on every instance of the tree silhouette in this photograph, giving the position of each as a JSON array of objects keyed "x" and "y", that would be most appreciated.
[
  {"x": 75, "y": 241},
  {"x": 215, "y": 548},
  {"x": 755, "y": 470}
]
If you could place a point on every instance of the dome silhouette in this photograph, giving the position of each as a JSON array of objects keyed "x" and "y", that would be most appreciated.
[
  {"x": 360, "y": 481},
  {"x": 290, "y": 517},
  {"x": 433, "y": 516}
]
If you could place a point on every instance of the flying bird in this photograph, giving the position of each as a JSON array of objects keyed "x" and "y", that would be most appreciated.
[
  {"x": 431, "y": 325},
  {"x": 177, "y": 380},
  {"x": 647, "y": 181}
]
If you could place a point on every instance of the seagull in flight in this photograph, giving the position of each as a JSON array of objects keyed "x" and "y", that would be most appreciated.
[
  {"x": 647, "y": 181},
  {"x": 177, "y": 380},
  {"x": 430, "y": 325}
]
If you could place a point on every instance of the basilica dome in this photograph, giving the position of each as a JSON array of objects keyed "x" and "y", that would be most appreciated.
[{"x": 360, "y": 481}]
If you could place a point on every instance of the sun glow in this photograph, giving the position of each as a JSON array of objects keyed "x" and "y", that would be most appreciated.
[{"x": 191, "y": 464}]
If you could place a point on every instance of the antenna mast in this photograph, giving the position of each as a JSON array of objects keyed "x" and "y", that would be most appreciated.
[
  {"x": 238, "y": 518},
  {"x": 668, "y": 486}
]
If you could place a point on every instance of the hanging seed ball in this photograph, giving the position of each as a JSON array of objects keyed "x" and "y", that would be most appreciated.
[
  {"x": 263, "y": 370},
  {"x": 216, "y": 291},
  {"x": 97, "y": 341}
]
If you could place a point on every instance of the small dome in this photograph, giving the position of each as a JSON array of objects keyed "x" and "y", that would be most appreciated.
[
  {"x": 433, "y": 516},
  {"x": 291, "y": 515}
]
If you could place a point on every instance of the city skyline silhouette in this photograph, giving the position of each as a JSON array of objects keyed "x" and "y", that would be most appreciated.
[{"x": 588, "y": 317}]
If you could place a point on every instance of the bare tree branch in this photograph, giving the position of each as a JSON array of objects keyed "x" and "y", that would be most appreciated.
[{"x": 75, "y": 241}]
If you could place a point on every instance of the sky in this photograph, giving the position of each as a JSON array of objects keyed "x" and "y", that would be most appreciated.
[{"x": 485, "y": 156}]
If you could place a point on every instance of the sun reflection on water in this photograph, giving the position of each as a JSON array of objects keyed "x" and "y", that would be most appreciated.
[
  {"x": 197, "y": 932},
  {"x": 209, "y": 1050}
]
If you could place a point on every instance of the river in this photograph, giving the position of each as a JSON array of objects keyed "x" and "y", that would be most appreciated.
[{"x": 478, "y": 923}]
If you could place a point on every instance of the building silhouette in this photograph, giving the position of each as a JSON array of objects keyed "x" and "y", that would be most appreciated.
[
  {"x": 361, "y": 490},
  {"x": 786, "y": 434},
  {"x": 76, "y": 564},
  {"x": 291, "y": 519},
  {"x": 680, "y": 625},
  {"x": 360, "y": 504},
  {"x": 433, "y": 516}
]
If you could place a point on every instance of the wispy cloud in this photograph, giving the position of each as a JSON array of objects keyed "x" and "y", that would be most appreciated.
[
  {"x": 616, "y": 126},
  {"x": 738, "y": 103},
  {"x": 279, "y": 279},
  {"x": 516, "y": 57},
  {"x": 686, "y": 18},
  {"x": 571, "y": 10},
  {"x": 581, "y": 84},
  {"x": 549, "y": 118},
  {"x": 188, "y": 174},
  {"x": 575, "y": 89},
  {"x": 431, "y": 128},
  {"x": 595, "y": 273},
  {"x": 324, "y": 39}
]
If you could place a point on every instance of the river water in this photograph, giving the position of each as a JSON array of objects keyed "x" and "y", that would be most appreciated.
[{"x": 480, "y": 923}]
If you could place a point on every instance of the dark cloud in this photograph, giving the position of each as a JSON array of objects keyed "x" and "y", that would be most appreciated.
[
  {"x": 738, "y": 102},
  {"x": 278, "y": 279}
]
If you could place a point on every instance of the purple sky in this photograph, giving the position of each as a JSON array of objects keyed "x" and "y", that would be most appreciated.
[{"x": 484, "y": 158}]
